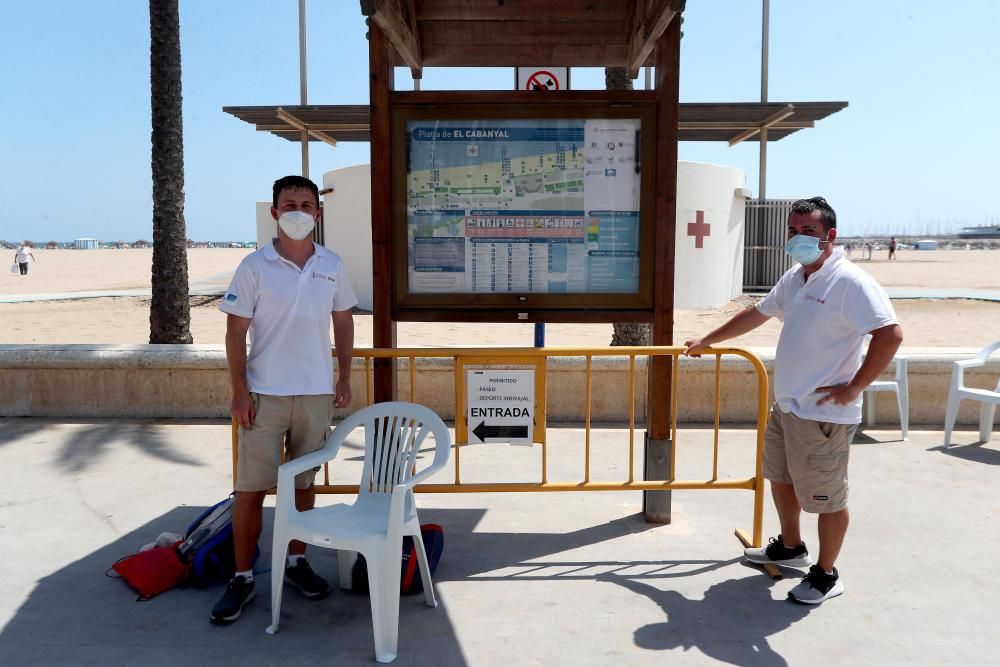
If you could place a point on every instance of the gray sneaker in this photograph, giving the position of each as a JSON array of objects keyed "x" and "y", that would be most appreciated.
[
  {"x": 238, "y": 594},
  {"x": 302, "y": 577},
  {"x": 817, "y": 586},
  {"x": 776, "y": 553}
]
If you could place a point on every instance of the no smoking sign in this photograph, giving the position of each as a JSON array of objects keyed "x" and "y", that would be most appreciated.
[{"x": 542, "y": 78}]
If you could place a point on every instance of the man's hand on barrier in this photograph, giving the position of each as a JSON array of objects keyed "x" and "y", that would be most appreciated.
[
  {"x": 691, "y": 345},
  {"x": 243, "y": 410}
]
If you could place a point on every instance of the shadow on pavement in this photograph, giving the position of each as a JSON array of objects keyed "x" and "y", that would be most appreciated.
[
  {"x": 726, "y": 624},
  {"x": 977, "y": 452},
  {"x": 79, "y": 616},
  {"x": 89, "y": 444}
]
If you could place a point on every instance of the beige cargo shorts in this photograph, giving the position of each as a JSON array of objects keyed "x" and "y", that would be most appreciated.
[
  {"x": 305, "y": 419},
  {"x": 810, "y": 455}
]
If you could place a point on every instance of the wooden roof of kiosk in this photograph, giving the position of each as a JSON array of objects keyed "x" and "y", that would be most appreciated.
[
  {"x": 733, "y": 122},
  {"x": 498, "y": 33}
]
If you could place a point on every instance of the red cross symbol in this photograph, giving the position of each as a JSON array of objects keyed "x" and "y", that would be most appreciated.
[{"x": 699, "y": 230}]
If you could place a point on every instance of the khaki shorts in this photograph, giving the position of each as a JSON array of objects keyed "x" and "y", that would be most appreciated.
[
  {"x": 306, "y": 421},
  {"x": 810, "y": 455}
]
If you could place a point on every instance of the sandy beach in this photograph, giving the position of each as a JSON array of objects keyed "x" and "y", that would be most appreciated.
[{"x": 125, "y": 320}]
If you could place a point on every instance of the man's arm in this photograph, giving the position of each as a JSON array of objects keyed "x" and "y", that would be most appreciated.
[
  {"x": 881, "y": 350},
  {"x": 343, "y": 341},
  {"x": 746, "y": 320},
  {"x": 236, "y": 357}
]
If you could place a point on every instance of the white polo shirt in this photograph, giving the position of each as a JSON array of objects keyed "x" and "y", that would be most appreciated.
[
  {"x": 825, "y": 320},
  {"x": 290, "y": 309}
]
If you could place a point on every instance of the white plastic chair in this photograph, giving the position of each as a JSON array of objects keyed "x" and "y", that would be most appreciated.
[
  {"x": 900, "y": 386},
  {"x": 958, "y": 391},
  {"x": 382, "y": 514}
]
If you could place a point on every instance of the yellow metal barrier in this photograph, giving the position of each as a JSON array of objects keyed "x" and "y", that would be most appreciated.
[{"x": 536, "y": 358}]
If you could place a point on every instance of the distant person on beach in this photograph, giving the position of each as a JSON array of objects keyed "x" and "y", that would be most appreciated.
[
  {"x": 827, "y": 306},
  {"x": 284, "y": 295},
  {"x": 868, "y": 251},
  {"x": 892, "y": 248},
  {"x": 22, "y": 256}
]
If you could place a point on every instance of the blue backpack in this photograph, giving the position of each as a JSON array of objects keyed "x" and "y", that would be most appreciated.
[
  {"x": 409, "y": 579},
  {"x": 208, "y": 545}
]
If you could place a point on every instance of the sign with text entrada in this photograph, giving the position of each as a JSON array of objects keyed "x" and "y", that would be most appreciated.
[{"x": 500, "y": 404}]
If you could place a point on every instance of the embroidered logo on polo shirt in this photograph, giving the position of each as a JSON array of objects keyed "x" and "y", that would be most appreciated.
[
  {"x": 823, "y": 498},
  {"x": 231, "y": 298},
  {"x": 810, "y": 297},
  {"x": 316, "y": 274}
]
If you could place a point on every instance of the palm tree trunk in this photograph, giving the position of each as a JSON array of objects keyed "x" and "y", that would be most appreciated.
[
  {"x": 169, "y": 312},
  {"x": 617, "y": 78}
]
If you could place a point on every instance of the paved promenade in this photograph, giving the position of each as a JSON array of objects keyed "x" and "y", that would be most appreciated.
[{"x": 526, "y": 579}]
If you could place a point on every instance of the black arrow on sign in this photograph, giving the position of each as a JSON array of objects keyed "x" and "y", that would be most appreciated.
[{"x": 483, "y": 431}]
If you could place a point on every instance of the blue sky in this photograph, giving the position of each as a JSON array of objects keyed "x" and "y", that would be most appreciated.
[{"x": 915, "y": 151}]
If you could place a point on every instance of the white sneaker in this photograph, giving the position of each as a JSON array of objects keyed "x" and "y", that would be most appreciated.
[
  {"x": 776, "y": 553},
  {"x": 817, "y": 586}
]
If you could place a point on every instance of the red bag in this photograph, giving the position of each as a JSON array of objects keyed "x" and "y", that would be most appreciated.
[{"x": 154, "y": 571}]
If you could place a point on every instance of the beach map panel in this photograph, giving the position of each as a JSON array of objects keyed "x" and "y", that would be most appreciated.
[{"x": 546, "y": 206}]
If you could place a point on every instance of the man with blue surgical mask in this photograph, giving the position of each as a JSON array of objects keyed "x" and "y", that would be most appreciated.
[
  {"x": 284, "y": 296},
  {"x": 827, "y": 306}
]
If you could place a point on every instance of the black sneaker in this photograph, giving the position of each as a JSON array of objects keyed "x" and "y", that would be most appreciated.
[
  {"x": 308, "y": 582},
  {"x": 238, "y": 595},
  {"x": 776, "y": 553},
  {"x": 817, "y": 586}
]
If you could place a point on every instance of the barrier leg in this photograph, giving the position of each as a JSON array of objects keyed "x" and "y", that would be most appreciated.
[{"x": 656, "y": 504}]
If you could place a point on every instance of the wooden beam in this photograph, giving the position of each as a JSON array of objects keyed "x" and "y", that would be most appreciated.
[
  {"x": 326, "y": 127},
  {"x": 403, "y": 35},
  {"x": 380, "y": 57},
  {"x": 730, "y": 125},
  {"x": 647, "y": 27},
  {"x": 498, "y": 55},
  {"x": 521, "y": 10},
  {"x": 667, "y": 90},
  {"x": 447, "y": 34},
  {"x": 658, "y": 457},
  {"x": 773, "y": 119},
  {"x": 302, "y": 127},
  {"x": 487, "y": 97},
  {"x": 411, "y": 20}
]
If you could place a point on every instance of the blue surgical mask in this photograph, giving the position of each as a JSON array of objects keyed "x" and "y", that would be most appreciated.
[{"x": 804, "y": 249}]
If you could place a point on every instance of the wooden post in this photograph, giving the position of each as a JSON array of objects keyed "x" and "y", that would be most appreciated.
[
  {"x": 656, "y": 504},
  {"x": 381, "y": 57}
]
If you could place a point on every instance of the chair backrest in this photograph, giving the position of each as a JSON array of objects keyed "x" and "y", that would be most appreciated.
[
  {"x": 394, "y": 434},
  {"x": 985, "y": 353}
]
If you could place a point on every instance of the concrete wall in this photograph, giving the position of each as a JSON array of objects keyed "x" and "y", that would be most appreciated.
[{"x": 191, "y": 381}]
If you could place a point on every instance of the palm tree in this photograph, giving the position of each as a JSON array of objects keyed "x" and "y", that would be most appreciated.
[
  {"x": 625, "y": 333},
  {"x": 169, "y": 312}
]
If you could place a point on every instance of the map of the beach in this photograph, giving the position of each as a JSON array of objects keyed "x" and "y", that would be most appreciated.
[{"x": 523, "y": 206}]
